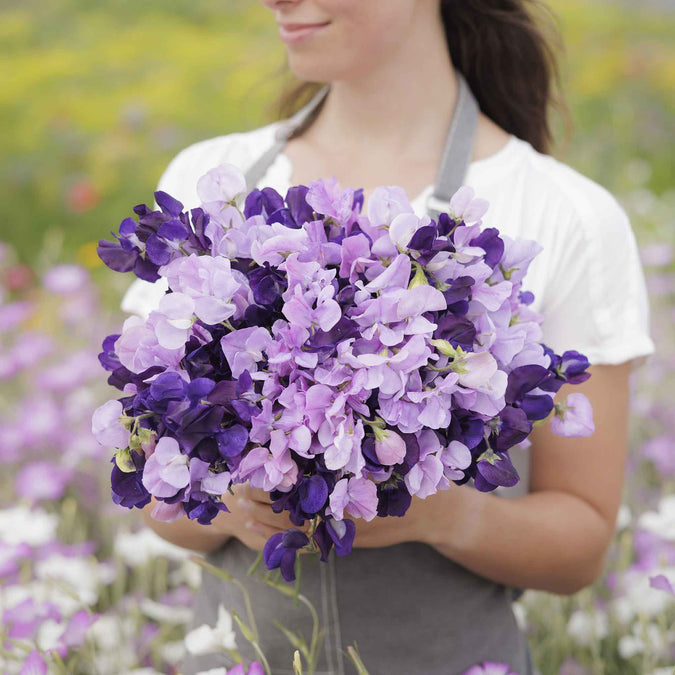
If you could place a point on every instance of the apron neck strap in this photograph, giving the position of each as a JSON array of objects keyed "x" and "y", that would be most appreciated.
[{"x": 455, "y": 159}]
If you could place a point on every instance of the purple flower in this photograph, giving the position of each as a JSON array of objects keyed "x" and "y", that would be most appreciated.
[
  {"x": 490, "y": 668},
  {"x": 107, "y": 427},
  {"x": 280, "y": 551},
  {"x": 34, "y": 664},
  {"x": 42, "y": 481},
  {"x": 221, "y": 184},
  {"x": 662, "y": 583},
  {"x": 166, "y": 470},
  {"x": 390, "y": 448},
  {"x": 127, "y": 487},
  {"x": 574, "y": 417},
  {"x": 357, "y": 496},
  {"x": 254, "y": 669},
  {"x": 338, "y": 533}
]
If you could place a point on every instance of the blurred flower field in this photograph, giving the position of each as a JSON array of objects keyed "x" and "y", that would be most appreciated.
[{"x": 96, "y": 99}]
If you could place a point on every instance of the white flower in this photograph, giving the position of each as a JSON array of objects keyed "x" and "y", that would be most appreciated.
[
  {"x": 650, "y": 638},
  {"x": 213, "y": 671},
  {"x": 142, "y": 547},
  {"x": 80, "y": 574},
  {"x": 624, "y": 517},
  {"x": 639, "y": 597},
  {"x": 30, "y": 526},
  {"x": 585, "y": 628},
  {"x": 205, "y": 640},
  {"x": 173, "y": 652},
  {"x": 520, "y": 613},
  {"x": 165, "y": 613},
  {"x": 661, "y": 522}
]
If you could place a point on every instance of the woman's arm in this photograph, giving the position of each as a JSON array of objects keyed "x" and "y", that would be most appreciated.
[{"x": 553, "y": 539}]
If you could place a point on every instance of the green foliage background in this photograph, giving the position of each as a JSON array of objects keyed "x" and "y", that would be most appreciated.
[{"x": 97, "y": 97}]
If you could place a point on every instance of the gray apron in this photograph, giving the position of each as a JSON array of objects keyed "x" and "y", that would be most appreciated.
[{"x": 410, "y": 610}]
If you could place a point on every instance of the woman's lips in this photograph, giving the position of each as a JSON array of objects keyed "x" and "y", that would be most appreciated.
[{"x": 291, "y": 33}]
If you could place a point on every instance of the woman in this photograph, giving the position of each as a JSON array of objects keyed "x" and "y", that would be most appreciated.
[{"x": 430, "y": 593}]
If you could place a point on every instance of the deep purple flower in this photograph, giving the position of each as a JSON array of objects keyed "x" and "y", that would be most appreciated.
[
  {"x": 393, "y": 499},
  {"x": 495, "y": 472},
  {"x": 338, "y": 533},
  {"x": 127, "y": 488},
  {"x": 280, "y": 551}
]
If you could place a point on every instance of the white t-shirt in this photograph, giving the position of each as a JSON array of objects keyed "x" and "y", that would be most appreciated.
[{"x": 587, "y": 280}]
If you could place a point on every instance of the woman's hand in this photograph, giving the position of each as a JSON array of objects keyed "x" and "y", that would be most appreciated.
[{"x": 251, "y": 519}]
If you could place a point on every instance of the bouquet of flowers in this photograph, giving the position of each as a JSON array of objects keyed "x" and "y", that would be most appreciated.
[{"x": 344, "y": 362}]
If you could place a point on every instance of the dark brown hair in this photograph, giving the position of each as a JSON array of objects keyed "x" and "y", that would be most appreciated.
[{"x": 506, "y": 50}]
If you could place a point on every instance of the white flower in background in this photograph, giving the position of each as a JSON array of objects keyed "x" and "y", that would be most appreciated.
[
  {"x": 639, "y": 597},
  {"x": 173, "y": 652},
  {"x": 48, "y": 634},
  {"x": 624, "y": 517},
  {"x": 143, "y": 671},
  {"x": 205, "y": 640},
  {"x": 30, "y": 526},
  {"x": 189, "y": 573},
  {"x": 586, "y": 628},
  {"x": 661, "y": 522},
  {"x": 668, "y": 670},
  {"x": 521, "y": 615},
  {"x": 650, "y": 639},
  {"x": 213, "y": 671},
  {"x": 165, "y": 613},
  {"x": 142, "y": 547},
  {"x": 82, "y": 575}
]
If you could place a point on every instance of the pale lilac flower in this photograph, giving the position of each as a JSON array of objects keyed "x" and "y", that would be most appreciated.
[
  {"x": 390, "y": 448},
  {"x": 223, "y": 183},
  {"x": 107, "y": 427},
  {"x": 166, "y": 471},
  {"x": 42, "y": 480},
  {"x": 455, "y": 458},
  {"x": 210, "y": 282},
  {"x": 174, "y": 320},
  {"x": 575, "y": 418},
  {"x": 138, "y": 347},
  {"x": 244, "y": 348},
  {"x": 34, "y": 664},
  {"x": 464, "y": 205},
  {"x": 65, "y": 279},
  {"x": 357, "y": 496},
  {"x": 387, "y": 202},
  {"x": 326, "y": 197}
]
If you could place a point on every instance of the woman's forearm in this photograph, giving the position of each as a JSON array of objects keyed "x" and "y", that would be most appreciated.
[
  {"x": 186, "y": 533},
  {"x": 551, "y": 541}
]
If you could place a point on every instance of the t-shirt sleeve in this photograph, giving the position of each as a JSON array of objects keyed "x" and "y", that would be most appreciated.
[
  {"x": 596, "y": 300},
  {"x": 179, "y": 179}
]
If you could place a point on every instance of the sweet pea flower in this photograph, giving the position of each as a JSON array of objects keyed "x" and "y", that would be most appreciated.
[
  {"x": 466, "y": 206},
  {"x": 210, "y": 282},
  {"x": 107, "y": 428},
  {"x": 280, "y": 551},
  {"x": 356, "y": 495},
  {"x": 223, "y": 183},
  {"x": 390, "y": 448},
  {"x": 574, "y": 417},
  {"x": 166, "y": 470}
]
